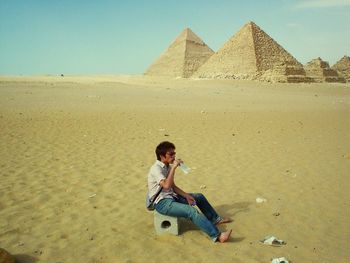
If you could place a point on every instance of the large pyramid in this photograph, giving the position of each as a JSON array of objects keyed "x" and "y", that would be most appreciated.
[
  {"x": 252, "y": 54},
  {"x": 343, "y": 67},
  {"x": 183, "y": 57},
  {"x": 319, "y": 71}
]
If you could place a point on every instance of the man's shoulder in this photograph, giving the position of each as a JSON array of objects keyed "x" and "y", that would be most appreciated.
[{"x": 157, "y": 167}]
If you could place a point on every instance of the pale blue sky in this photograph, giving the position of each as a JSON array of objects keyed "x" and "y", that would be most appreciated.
[{"x": 124, "y": 37}]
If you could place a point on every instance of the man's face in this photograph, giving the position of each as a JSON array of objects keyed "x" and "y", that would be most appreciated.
[{"x": 170, "y": 156}]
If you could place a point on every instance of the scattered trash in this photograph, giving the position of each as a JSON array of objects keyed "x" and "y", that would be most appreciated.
[
  {"x": 279, "y": 260},
  {"x": 273, "y": 241},
  {"x": 92, "y": 195},
  {"x": 203, "y": 186},
  {"x": 203, "y": 111},
  {"x": 260, "y": 200},
  {"x": 166, "y": 135}
]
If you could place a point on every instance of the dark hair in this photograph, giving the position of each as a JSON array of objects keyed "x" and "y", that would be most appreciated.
[{"x": 163, "y": 147}]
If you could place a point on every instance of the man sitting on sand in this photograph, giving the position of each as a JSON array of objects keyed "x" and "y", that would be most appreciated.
[{"x": 173, "y": 201}]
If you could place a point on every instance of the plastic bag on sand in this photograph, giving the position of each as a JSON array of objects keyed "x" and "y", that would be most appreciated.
[
  {"x": 279, "y": 260},
  {"x": 273, "y": 241}
]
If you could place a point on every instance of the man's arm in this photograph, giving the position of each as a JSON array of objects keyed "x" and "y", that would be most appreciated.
[
  {"x": 169, "y": 181},
  {"x": 179, "y": 191},
  {"x": 189, "y": 198}
]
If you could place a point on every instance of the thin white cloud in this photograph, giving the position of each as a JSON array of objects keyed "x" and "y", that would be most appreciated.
[
  {"x": 322, "y": 3},
  {"x": 293, "y": 25}
]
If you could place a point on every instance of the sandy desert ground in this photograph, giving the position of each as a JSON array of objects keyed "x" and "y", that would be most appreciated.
[{"x": 75, "y": 152}]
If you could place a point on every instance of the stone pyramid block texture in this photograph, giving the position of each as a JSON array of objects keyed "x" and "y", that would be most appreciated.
[
  {"x": 343, "y": 67},
  {"x": 183, "y": 57},
  {"x": 319, "y": 71},
  {"x": 252, "y": 54}
]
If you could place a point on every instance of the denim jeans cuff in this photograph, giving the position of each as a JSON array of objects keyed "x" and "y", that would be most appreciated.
[
  {"x": 217, "y": 220},
  {"x": 216, "y": 238}
]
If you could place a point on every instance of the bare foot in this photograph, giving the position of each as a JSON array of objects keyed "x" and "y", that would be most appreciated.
[
  {"x": 223, "y": 221},
  {"x": 224, "y": 236}
]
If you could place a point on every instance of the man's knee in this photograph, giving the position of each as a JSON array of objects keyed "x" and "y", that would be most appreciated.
[{"x": 192, "y": 212}]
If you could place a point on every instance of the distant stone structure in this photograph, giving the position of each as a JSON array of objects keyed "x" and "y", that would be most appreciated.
[
  {"x": 343, "y": 67},
  {"x": 183, "y": 57},
  {"x": 252, "y": 54},
  {"x": 319, "y": 71},
  {"x": 249, "y": 54}
]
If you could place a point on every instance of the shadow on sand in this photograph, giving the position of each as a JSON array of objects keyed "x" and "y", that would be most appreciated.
[
  {"x": 22, "y": 258},
  {"x": 224, "y": 211},
  {"x": 232, "y": 210}
]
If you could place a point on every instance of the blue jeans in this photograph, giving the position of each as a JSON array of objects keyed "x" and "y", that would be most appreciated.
[{"x": 179, "y": 207}]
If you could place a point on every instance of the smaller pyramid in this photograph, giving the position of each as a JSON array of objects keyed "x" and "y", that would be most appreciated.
[
  {"x": 343, "y": 67},
  {"x": 182, "y": 58},
  {"x": 319, "y": 71}
]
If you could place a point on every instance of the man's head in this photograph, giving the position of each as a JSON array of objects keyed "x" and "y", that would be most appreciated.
[{"x": 165, "y": 152}]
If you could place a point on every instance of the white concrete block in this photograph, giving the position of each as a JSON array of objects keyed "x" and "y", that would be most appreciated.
[{"x": 166, "y": 224}]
